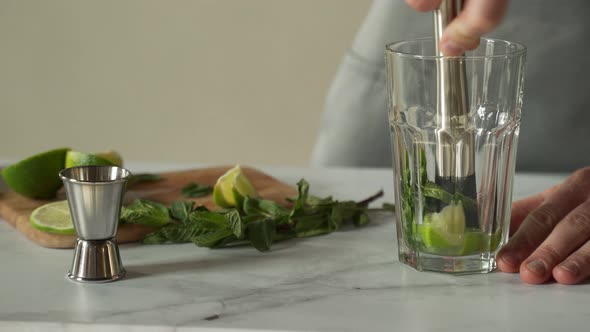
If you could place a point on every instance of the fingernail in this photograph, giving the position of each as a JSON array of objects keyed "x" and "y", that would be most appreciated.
[
  {"x": 449, "y": 47},
  {"x": 570, "y": 267},
  {"x": 537, "y": 267}
]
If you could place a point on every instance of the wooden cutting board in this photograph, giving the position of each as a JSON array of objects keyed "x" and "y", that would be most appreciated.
[{"x": 16, "y": 208}]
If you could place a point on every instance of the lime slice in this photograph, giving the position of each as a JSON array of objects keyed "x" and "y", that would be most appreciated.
[
  {"x": 38, "y": 175},
  {"x": 231, "y": 188},
  {"x": 443, "y": 232},
  {"x": 53, "y": 218},
  {"x": 76, "y": 158}
]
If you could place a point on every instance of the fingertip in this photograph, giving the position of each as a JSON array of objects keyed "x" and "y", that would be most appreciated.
[
  {"x": 451, "y": 48},
  {"x": 424, "y": 5},
  {"x": 510, "y": 257},
  {"x": 507, "y": 264},
  {"x": 564, "y": 277},
  {"x": 533, "y": 275},
  {"x": 473, "y": 44},
  {"x": 454, "y": 44},
  {"x": 567, "y": 274}
]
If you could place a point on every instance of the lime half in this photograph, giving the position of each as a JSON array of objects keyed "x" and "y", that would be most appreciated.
[
  {"x": 38, "y": 175},
  {"x": 231, "y": 188},
  {"x": 53, "y": 218}
]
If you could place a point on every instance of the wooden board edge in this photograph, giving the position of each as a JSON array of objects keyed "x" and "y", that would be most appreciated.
[{"x": 125, "y": 234}]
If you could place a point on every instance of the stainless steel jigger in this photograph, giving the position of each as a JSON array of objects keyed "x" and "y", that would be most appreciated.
[{"x": 95, "y": 195}]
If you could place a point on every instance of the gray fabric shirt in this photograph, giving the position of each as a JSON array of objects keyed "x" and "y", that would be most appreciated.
[{"x": 555, "y": 124}]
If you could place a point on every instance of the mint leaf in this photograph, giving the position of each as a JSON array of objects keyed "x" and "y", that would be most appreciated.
[
  {"x": 209, "y": 219},
  {"x": 145, "y": 212},
  {"x": 261, "y": 233},
  {"x": 154, "y": 238},
  {"x": 314, "y": 232},
  {"x": 388, "y": 207},
  {"x": 349, "y": 208},
  {"x": 360, "y": 219},
  {"x": 194, "y": 190},
  {"x": 316, "y": 201},
  {"x": 431, "y": 189},
  {"x": 175, "y": 233},
  {"x": 423, "y": 168},
  {"x": 200, "y": 226},
  {"x": 213, "y": 238},
  {"x": 181, "y": 210},
  {"x": 336, "y": 217},
  {"x": 255, "y": 206},
  {"x": 341, "y": 212},
  {"x": 302, "y": 192},
  {"x": 304, "y": 224},
  {"x": 234, "y": 222}
]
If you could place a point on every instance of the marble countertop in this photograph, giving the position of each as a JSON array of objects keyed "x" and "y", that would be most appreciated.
[{"x": 345, "y": 281}]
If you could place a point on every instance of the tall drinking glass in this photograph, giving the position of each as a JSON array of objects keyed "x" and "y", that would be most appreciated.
[{"x": 453, "y": 171}]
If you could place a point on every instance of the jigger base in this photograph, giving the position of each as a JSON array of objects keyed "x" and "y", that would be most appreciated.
[{"x": 96, "y": 261}]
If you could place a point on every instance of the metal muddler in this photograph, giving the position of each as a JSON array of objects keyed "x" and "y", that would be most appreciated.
[
  {"x": 95, "y": 195},
  {"x": 455, "y": 170}
]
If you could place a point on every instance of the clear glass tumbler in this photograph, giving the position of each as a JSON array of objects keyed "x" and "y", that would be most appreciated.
[{"x": 454, "y": 147}]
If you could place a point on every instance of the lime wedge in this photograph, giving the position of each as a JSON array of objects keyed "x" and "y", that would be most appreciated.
[
  {"x": 113, "y": 156},
  {"x": 231, "y": 188},
  {"x": 53, "y": 218},
  {"x": 38, "y": 175},
  {"x": 443, "y": 232},
  {"x": 76, "y": 158}
]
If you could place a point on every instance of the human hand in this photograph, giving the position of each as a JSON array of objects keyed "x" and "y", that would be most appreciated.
[
  {"x": 476, "y": 19},
  {"x": 551, "y": 234}
]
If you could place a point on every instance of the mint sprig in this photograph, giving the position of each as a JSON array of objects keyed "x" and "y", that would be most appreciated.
[
  {"x": 258, "y": 222},
  {"x": 145, "y": 212}
]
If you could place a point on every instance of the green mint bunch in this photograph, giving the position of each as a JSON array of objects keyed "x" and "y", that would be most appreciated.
[{"x": 258, "y": 222}]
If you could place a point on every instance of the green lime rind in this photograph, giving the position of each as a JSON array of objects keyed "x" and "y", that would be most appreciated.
[
  {"x": 65, "y": 231},
  {"x": 37, "y": 176},
  {"x": 76, "y": 158},
  {"x": 53, "y": 218}
]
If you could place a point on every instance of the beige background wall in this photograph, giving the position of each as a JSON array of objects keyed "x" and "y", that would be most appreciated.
[{"x": 214, "y": 81}]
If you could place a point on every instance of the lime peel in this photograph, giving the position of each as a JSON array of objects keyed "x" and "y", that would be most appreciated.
[
  {"x": 37, "y": 176},
  {"x": 77, "y": 158}
]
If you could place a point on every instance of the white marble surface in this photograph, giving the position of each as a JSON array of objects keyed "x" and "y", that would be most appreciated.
[{"x": 346, "y": 281}]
